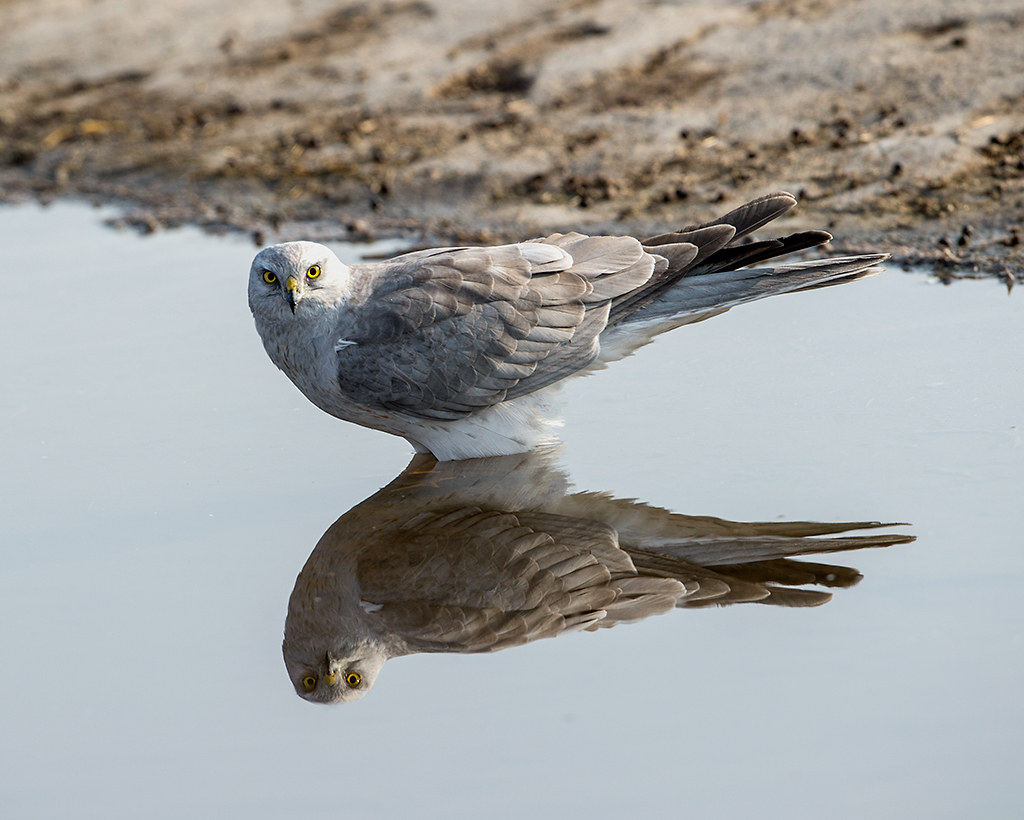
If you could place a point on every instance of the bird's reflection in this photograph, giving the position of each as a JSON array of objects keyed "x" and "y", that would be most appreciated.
[{"x": 487, "y": 554}]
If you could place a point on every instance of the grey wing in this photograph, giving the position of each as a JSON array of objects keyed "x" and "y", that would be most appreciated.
[
  {"x": 442, "y": 334},
  {"x": 477, "y": 580}
]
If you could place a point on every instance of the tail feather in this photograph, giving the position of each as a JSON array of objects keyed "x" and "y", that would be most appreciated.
[
  {"x": 692, "y": 296},
  {"x": 860, "y": 272},
  {"x": 683, "y": 252},
  {"x": 752, "y": 253},
  {"x": 743, "y": 220},
  {"x": 756, "y": 214},
  {"x": 709, "y": 238},
  {"x": 693, "y": 284}
]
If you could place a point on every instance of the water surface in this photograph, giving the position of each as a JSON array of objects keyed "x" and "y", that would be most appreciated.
[{"x": 164, "y": 484}]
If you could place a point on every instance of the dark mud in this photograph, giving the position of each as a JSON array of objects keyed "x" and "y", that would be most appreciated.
[{"x": 899, "y": 126}]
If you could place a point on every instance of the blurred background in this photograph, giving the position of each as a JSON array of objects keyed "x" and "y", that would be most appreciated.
[{"x": 899, "y": 126}]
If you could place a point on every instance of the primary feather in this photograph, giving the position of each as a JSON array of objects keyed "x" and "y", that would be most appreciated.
[{"x": 458, "y": 349}]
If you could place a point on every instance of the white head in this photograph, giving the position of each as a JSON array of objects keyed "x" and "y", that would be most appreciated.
[{"x": 294, "y": 278}]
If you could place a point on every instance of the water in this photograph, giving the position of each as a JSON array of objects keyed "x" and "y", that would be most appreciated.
[{"x": 163, "y": 485}]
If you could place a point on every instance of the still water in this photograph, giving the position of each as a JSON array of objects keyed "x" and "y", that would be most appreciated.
[{"x": 163, "y": 486}]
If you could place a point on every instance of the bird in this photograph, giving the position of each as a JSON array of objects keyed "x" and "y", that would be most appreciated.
[
  {"x": 460, "y": 350},
  {"x": 484, "y": 555}
]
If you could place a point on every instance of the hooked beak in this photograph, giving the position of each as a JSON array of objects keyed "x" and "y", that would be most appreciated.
[
  {"x": 331, "y": 675},
  {"x": 291, "y": 288}
]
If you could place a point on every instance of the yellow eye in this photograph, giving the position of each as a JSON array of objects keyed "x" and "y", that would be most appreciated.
[
  {"x": 309, "y": 683},
  {"x": 352, "y": 679},
  {"x": 269, "y": 277},
  {"x": 313, "y": 272}
]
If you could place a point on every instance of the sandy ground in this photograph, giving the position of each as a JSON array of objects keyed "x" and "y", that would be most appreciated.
[{"x": 900, "y": 125}]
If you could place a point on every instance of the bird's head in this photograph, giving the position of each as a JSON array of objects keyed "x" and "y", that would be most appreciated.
[
  {"x": 295, "y": 276},
  {"x": 338, "y": 675}
]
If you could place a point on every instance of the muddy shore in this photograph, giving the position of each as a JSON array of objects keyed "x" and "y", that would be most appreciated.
[{"x": 900, "y": 126}]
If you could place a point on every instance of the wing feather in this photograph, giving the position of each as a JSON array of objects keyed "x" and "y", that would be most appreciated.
[
  {"x": 476, "y": 580},
  {"x": 440, "y": 335}
]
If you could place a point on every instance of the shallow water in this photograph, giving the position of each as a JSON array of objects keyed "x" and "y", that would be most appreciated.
[{"x": 163, "y": 486}]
